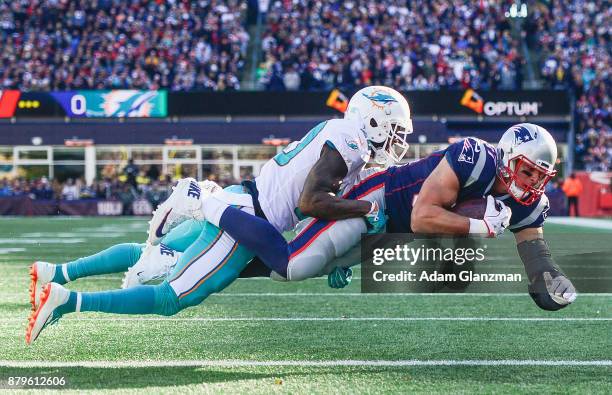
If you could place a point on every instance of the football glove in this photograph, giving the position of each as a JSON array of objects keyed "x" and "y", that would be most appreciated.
[
  {"x": 549, "y": 288},
  {"x": 340, "y": 277},
  {"x": 375, "y": 219},
  {"x": 495, "y": 221},
  {"x": 552, "y": 291}
]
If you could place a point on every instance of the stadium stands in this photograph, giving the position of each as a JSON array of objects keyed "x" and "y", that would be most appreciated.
[
  {"x": 63, "y": 45},
  {"x": 574, "y": 42},
  {"x": 412, "y": 44},
  {"x": 316, "y": 45}
]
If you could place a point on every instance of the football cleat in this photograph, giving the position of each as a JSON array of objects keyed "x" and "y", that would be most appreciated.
[
  {"x": 41, "y": 273},
  {"x": 155, "y": 263},
  {"x": 52, "y": 296},
  {"x": 210, "y": 187},
  {"x": 184, "y": 203}
]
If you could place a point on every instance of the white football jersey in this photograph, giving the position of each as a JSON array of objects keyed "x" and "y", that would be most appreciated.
[{"x": 282, "y": 178}]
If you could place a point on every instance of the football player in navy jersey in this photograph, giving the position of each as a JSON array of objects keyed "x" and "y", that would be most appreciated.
[
  {"x": 417, "y": 197},
  {"x": 515, "y": 173}
]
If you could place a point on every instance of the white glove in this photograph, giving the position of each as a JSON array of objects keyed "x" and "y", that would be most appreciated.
[
  {"x": 560, "y": 289},
  {"x": 496, "y": 219}
]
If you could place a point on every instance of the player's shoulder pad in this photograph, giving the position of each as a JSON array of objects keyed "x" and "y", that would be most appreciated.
[
  {"x": 532, "y": 216},
  {"x": 471, "y": 159},
  {"x": 347, "y": 137}
]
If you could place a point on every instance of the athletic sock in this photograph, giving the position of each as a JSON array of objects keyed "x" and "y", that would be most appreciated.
[
  {"x": 143, "y": 299},
  {"x": 115, "y": 259}
]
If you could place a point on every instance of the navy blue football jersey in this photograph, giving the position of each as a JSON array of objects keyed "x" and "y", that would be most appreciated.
[{"x": 474, "y": 162}]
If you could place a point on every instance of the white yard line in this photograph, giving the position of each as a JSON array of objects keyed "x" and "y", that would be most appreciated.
[
  {"x": 4, "y": 296},
  {"x": 581, "y": 222},
  {"x": 115, "y": 318},
  {"x": 301, "y": 363}
]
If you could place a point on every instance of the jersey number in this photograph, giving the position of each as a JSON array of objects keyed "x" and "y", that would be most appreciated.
[{"x": 290, "y": 151}]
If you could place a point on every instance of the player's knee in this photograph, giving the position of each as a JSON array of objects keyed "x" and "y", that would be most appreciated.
[
  {"x": 166, "y": 301},
  {"x": 306, "y": 266}
]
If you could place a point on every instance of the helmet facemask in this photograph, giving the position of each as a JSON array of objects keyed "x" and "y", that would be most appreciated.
[
  {"x": 519, "y": 168},
  {"x": 395, "y": 145}
]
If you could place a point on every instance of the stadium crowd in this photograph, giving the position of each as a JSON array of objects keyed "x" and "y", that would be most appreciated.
[
  {"x": 574, "y": 40},
  {"x": 177, "y": 45},
  {"x": 127, "y": 185},
  {"x": 316, "y": 45},
  {"x": 414, "y": 44},
  {"x": 75, "y": 189}
]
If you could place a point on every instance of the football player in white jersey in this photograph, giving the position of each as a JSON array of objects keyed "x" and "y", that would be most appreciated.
[
  {"x": 304, "y": 179},
  {"x": 310, "y": 172}
]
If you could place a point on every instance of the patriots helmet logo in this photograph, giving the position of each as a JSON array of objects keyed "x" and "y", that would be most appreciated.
[
  {"x": 523, "y": 135},
  {"x": 380, "y": 98}
]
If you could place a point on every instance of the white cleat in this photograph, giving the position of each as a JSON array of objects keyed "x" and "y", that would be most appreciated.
[
  {"x": 184, "y": 203},
  {"x": 210, "y": 187},
  {"x": 155, "y": 263},
  {"x": 41, "y": 273},
  {"x": 52, "y": 296}
]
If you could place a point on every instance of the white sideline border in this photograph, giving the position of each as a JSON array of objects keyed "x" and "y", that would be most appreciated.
[
  {"x": 116, "y": 318},
  {"x": 342, "y": 294},
  {"x": 594, "y": 223},
  {"x": 300, "y": 363}
]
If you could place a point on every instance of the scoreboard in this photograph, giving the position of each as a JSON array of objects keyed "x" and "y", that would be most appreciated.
[{"x": 84, "y": 103}]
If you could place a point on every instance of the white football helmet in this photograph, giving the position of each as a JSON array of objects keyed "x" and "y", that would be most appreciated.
[
  {"x": 386, "y": 116},
  {"x": 526, "y": 144}
]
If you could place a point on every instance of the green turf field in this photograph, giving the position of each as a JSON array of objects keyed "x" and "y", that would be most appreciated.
[{"x": 260, "y": 336}]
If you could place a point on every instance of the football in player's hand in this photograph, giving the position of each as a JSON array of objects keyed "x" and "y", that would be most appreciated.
[{"x": 472, "y": 208}]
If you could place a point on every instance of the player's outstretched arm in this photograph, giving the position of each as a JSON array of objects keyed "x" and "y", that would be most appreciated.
[
  {"x": 323, "y": 182},
  {"x": 430, "y": 213},
  {"x": 548, "y": 286}
]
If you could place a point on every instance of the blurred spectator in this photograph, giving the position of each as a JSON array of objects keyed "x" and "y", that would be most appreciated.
[
  {"x": 572, "y": 187},
  {"x": 126, "y": 195},
  {"x": 156, "y": 194},
  {"x": 131, "y": 172},
  {"x": 86, "y": 191},
  {"x": 42, "y": 189},
  {"x": 153, "y": 173},
  {"x": 5, "y": 188},
  {"x": 70, "y": 191}
]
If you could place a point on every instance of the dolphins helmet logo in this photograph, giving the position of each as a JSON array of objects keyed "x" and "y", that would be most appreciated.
[{"x": 380, "y": 98}]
